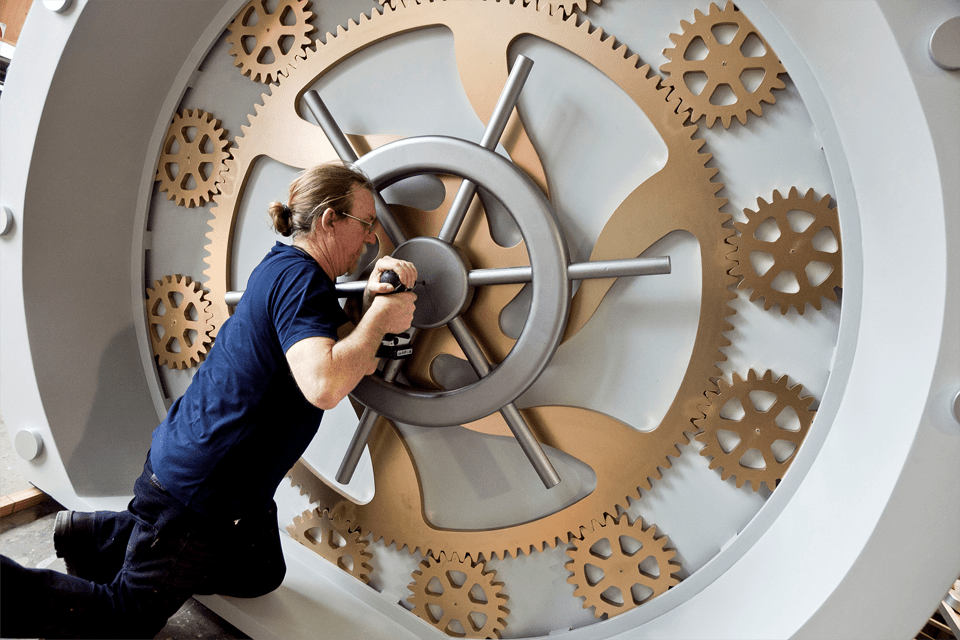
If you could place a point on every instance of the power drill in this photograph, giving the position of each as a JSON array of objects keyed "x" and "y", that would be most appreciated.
[{"x": 395, "y": 346}]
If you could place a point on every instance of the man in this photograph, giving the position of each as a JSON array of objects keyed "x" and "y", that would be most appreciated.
[{"x": 203, "y": 519}]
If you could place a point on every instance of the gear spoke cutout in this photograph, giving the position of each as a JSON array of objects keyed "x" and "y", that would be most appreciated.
[
  {"x": 192, "y": 159},
  {"x": 618, "y": 565},
  {"x": 334, "y": 542},
  {"x": 752, "y": 428},
  {"x": 789, "y": 251},
  {"x": 178, "y": 320},
  {"x": 721, "y": 67},
  {"x": 459, "y": 597}
]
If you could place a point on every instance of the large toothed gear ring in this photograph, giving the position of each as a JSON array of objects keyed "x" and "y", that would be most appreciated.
[
  {"x": 333, "y": 541},
  {"x": 192, "y": 158},
  {"x": 178, "y": 320},
  {"x": 265, "y": 43},
  {"x": 618, "y": 565},
  {"x": 801, "y": 235},
  {"x": 770, "y": 426},
  {"x": 567, "y": 7},
  {"x": 681, "y": 196},
  {"x": 729, "y": 63},
  {"x": 459, "y": 597}
]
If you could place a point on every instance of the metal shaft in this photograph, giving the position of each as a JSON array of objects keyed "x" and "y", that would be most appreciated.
[
  {"x": 491, "y": 137},
  {"x": 345, "y": 150},
  {"x": 518, "y": 426},
  {"x": 352, "y": 458},
  {"x": 522, "y": 275},
  {"x": 576, "y": 271}
]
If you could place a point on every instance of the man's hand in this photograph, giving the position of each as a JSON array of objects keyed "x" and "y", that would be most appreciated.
[
  {"x": 394, "y": 313},
  {"x": 405, "y": 270}
]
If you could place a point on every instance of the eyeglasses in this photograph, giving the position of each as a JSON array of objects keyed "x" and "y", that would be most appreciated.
[{"x": 369, "y": 223}]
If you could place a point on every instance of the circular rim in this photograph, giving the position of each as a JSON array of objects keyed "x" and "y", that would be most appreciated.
[{"x": 550, "y": 305}]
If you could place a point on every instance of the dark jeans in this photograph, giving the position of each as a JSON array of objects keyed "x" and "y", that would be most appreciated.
[{"x": 139, "y": 567}]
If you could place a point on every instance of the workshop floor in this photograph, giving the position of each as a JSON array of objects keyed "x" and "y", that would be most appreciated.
[{"x": 27, "y": 538}]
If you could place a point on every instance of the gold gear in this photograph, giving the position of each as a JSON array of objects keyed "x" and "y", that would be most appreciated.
[
  {"x": 459, "y": 597},
  {"x": 333, "y": 541},
  {"x": 724, "y": 66},
  {"x": 607, "y": 563},
  {"x": 758, "y": 429},
  {"x": 171, "y": 304},
  {"x": 265, "y": 43},
  {"x": 793, "y": 251},
  {"x": 681, "y": 196},
  {"x": 192, "y": 158}
]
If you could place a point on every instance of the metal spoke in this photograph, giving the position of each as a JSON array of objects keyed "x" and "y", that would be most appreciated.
[
  {"x": 523, "y": 275},
  {"x": 576, "y": 271},
  {"x": 345, "y": 150},
  {"x": 518, "y": 426},
  {"x": 352, "y": 457},
  {"x": 491, "y": 136}
]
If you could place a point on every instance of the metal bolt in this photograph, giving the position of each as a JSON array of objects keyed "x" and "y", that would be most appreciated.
[
  {"x": 28, "y": 443},
  {"x": 945, "y": 44},
  {"x": 956, "y": 407},
  {"x": 6, "y": 220},
  {"x": 58, "y": 6}
]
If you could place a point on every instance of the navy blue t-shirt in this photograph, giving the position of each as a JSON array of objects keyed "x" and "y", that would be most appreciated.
[{"x": 243, "y": 422}]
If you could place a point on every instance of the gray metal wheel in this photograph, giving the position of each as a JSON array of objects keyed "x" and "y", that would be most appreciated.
[{"x": 549, "y": 261}]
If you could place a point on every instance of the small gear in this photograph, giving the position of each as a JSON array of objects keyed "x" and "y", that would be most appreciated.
[
  {"x": 796, "y": 245},
  {"x": 194, "y": 151},
  {"x": 619, "y": 565},
  {"x": 265, "y": 43},
  {"x": 706, "y": 50},
  {"x": 459, "y": 597},
  {"x": 178, "y": 305},
  {"x": 738, "y": 421},
  {"x": 333, "y": 541}
]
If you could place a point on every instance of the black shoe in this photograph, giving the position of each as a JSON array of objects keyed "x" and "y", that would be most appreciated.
[{"x": 70, "y": 530}]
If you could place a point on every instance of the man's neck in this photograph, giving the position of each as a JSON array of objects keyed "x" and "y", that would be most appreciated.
[{"x": 318, "y": 253}]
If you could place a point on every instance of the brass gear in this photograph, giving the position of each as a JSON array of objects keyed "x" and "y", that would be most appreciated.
[
  {"x": 459, "y": 597},
  {"x": 758, "y": 429},
  {"x": 171, "y": 304},
  {"x": 681, "y": 196},
  {"x": 192, "y": 158},
  {"x": 610, "y": 561},
  {"x": 333, "y": 541},
  {"x": 793, "y": 251},
  {"x": 264, "y": 43},
  {"x": 723, "y": 66}
]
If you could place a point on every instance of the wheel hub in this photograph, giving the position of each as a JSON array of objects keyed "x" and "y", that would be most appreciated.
[{"x": 442, "y": 289}]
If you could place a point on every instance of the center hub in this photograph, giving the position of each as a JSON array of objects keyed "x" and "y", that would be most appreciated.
[{"x": 442, "y": 289}]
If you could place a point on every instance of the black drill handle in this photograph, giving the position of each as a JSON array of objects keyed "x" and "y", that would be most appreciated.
[
  {"x": 391, "y": 278},
  {"x": 394, "y": 346}
]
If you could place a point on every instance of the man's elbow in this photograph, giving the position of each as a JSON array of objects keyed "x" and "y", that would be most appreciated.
[{"x": 325, "y": 398}]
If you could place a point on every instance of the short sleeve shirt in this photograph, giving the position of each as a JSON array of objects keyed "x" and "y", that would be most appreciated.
[{"x": 226, "y": 444}]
